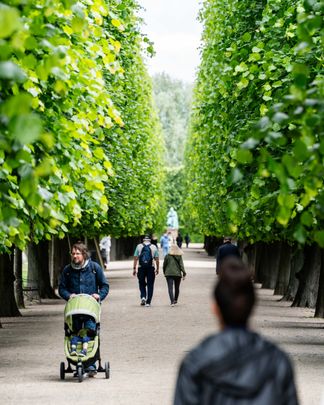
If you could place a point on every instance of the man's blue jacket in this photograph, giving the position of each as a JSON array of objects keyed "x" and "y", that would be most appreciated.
[{"x": 88, "y": 280}]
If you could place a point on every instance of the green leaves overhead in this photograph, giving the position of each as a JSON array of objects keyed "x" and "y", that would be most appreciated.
[
  {"x": 255, "y": 154},
  {"x": 67, "y": 111}
]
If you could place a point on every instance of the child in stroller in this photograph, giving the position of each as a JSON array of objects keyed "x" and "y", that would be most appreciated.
[
  {"x": 81, "y": 342},
  {"x": 84, "y": 327}
]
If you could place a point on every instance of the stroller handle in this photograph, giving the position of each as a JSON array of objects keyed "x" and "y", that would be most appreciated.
[{"x": 85, "y": 295}]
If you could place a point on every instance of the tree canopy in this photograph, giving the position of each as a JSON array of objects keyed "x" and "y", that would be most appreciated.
[
  {"x": 80, "y": 146},
  {"x": 255, "y": 154},
  {"x": 173, "y": 101}
]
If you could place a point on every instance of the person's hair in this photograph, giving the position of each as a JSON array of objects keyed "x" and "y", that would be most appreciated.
[
  {"x": 227, "y": 238},
  {"x": 82, "y": 248},
  {"x": 234, "y": 292}
]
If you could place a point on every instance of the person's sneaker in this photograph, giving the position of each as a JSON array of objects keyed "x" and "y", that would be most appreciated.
[
  {"x": 147, "y": 305},
  {"x": 73, "y": 351},
  {"x": 91, "y": 370},
  {"x": 175, "y": 302},
  {"x": 83, "y": 353},
  {"x": 143, "y": 301},
  {"x": 172, "y": 304}
]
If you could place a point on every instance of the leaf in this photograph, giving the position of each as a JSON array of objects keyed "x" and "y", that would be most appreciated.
[
  {"x": 10, "y": 71},
  {"x": 9, "y": 20},
  {"x": 244, "y": 156},
  {"x": 319, "y": 238},
  {"x": 26, "y": 128}
]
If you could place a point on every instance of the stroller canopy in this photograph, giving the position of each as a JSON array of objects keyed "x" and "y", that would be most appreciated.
[{"x": 81, "y": 304}]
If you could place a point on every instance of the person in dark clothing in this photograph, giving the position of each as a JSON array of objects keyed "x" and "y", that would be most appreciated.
[
  {"x": 83, "y": 276},
  {"x": 187, "y": 240},
  {"x": 226, "y": 250},
  {"x": 235, "y": 366},
  {"x": 179, "y": 240}
]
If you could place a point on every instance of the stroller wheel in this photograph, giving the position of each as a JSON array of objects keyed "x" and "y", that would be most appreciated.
[
  {"x": 107, "y": 369},
  {"x": 62, "y": 370},
  {"x": 80, "y": 373}
]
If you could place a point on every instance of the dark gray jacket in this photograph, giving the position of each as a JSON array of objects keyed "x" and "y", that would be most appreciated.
[{"x": 236, "y": 366}]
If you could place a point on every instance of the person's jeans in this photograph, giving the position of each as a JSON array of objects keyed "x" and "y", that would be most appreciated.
[
  {"x": 146, "y": 278},
  {"x": 165, "y": 250},
  {"x": 173, "y": 280}
]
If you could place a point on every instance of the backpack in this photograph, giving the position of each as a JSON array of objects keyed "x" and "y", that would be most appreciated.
[{"x": 145, "y": 257}]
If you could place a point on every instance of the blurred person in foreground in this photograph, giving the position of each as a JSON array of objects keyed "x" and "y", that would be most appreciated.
[{"x": 236, "y": 365}]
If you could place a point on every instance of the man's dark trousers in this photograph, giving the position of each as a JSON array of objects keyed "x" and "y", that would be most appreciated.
[{"x": 146, "y": 278}]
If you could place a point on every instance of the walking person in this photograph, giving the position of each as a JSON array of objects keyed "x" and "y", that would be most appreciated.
[
  {"x": 104, "y": 245},
  {"x": 187, "y": 240},
  {"x": 235, "y": 366},
  {"x": 83, "y": 276},
  {"x": 179, "y": 240},
  {"x": 174, "y": 271},
  {"x": 165, "y": 243},
  {"x": 145, "y": 256},
  {"x": 226, "y": 250}
]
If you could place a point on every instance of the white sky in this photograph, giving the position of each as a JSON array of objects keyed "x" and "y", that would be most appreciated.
[{"x": 173, "y": 27}]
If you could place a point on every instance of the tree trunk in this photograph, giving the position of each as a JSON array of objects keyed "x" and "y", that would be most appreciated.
[
  {"x": 297, "y": 262},
  {"x": 61, "y": 257},
  {"x": 8, "y": 305},
  {"x": 268, "y": 264},
  {"x": 259, "y": 259},
  {"x": 38, "y": 271},
  {"x": 125, "y": 247},
  {"x": 250, "y": 253},
  {"x": 211, "y": 243},
  {"x": 18, "y": 278},
  {"x": 319, "y": 311},
  {"x": 308, "y": 277},
  {"x": 284, "y": 269}
]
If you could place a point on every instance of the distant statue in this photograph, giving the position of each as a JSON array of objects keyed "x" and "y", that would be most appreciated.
[{"x": 172, "y": 219}]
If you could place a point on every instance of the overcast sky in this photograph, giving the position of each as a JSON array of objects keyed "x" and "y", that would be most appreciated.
[{"x": 173, "y": 27}]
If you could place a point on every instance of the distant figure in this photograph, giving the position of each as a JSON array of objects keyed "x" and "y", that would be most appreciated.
[
  {"x": 235, "y": 366},
  {"x": 104, "y": 245},
  {"x": 226, "y": 250},
  {"x": 174, "y": 270},
  {"x": 154, "y": 240},
  {"x": 172, "y": 219},
  {"x": 145, "y": 255},
  {"x": 165, "y": 243},
  {"x": 187, "y": 240},
  {"x": 179, "y": 240}
]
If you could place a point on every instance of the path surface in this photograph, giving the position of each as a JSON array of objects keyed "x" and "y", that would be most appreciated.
[{"x": 144, "y": 345}]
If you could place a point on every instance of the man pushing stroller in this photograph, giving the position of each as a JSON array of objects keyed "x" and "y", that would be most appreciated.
[{"x": 83, "y": 276}]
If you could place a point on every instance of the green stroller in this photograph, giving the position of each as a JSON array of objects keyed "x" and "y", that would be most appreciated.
[{"x": 82, "y": 304}]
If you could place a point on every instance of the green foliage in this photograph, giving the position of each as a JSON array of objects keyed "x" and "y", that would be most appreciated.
[
  {"x": 68, "y": 115},
  {"x": 262, "y": 63},
  {"x": 174, "y": 189},
  {"x": 173, "y": 100}
]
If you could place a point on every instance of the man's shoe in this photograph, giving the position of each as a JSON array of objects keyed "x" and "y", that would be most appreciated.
[
  {"x": 91, "y": 371},
  {"x": 172, "y": 304},
  {"x": 147, "y": 305},
  {"x": 175, "y": 302},
  {"x": 143, "y": 301}
]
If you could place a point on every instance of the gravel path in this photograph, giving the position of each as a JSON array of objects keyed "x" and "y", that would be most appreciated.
[{"x": 144, "y": 345}]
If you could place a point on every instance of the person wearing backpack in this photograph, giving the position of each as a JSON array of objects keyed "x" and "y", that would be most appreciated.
[
  {"x": 144, "y": 257},
  {"x": 235, "y": 366}
]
